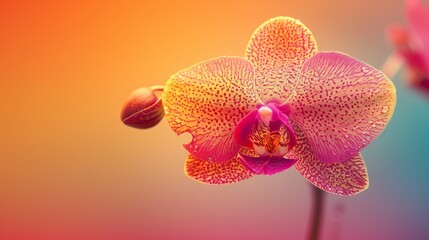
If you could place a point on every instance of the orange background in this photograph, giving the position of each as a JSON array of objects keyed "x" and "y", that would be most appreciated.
[{"x": 69, "y": 169}]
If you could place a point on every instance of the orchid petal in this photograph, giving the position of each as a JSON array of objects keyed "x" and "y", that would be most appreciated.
[
  {"x": 208, "y": 100},
  {"x": 345, "y": 178},
  {"x": 267, "y": 165},
  {"x": 341, "y": 104},
  {"x": 277, "y": 49},
  {"x": 216, "y": 173}
]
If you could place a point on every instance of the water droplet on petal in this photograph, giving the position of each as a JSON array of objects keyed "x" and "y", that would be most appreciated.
[
  {"x": 365, "y": 69},
  {"x": 384, "y": 109},
  {"x": 166, "y": 111}
]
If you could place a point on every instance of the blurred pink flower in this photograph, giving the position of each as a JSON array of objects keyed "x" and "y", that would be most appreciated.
[
  {"x": 284, "y": 104},
  {"x": 412, "y": 44}
]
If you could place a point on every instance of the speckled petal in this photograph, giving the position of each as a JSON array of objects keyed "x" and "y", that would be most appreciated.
[
  {"x": 341, "y": 104},
  {"x": 216, "y": 173},
  {"x": 208, "y": 100},
  {"x": 277, "y": 49},
  {"x": 418, "y": 17},
  {"x": 346, "y": 178}
]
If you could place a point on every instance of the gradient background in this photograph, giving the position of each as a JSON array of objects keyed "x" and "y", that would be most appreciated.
[{"x": 69, "y": 169}]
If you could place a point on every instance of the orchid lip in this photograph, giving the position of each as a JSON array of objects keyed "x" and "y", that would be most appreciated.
[{"x": 267, "y": 165}]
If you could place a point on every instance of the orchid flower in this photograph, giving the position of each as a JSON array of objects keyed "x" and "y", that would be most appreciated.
[
  {"x": 284, "y": 104},
  {"x": 412, "y": 44}
]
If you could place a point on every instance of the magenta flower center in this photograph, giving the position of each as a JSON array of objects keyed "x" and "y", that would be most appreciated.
[{"x": 266, "y": 130}]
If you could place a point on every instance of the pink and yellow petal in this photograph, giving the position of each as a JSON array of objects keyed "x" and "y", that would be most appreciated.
[
  {"x": 216, "y": 173},
  {"x": 341, "y": 104},
  {"x": 277, "y": 49},
  {"x": 208, "y": 100},
  {"x": 349, "y": 177},
  {"x": 345, "y": 178}
]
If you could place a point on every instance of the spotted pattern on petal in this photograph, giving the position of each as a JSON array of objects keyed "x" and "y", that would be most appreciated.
[
  {"x": 341, "y": 104},
  {"x": 346, "y": 178},
  {"x": 208, "y": 100},
  {"x": 277, "y": 49},
  {"x": 216, "y": 173}
]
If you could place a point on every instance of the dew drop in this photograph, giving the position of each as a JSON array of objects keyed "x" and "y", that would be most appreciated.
[
  {"x": 166, "y": 111},
  {"x": 364, "y": 69},
  {"x": 384, "y": 109},
  {"x": 210, "y": 158}
]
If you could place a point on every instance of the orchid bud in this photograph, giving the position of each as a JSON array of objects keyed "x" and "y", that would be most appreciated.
[{"x": 143, "y": 108}]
